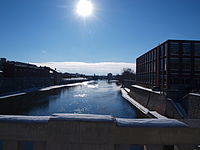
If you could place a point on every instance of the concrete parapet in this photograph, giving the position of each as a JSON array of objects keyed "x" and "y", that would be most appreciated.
[
  {"x": 152, "y": 100},
  {"x": 187, "y": 107},
  {"x": 93, "y": 132}
]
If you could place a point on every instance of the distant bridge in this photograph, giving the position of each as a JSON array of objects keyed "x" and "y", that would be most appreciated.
[{"x": 94, "y": 132}]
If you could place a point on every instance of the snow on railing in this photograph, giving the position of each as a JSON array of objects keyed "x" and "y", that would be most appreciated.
[{"x": 91, "y": 132}]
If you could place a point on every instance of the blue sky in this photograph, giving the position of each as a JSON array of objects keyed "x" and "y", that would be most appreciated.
[{"x": 119, "y": 30}]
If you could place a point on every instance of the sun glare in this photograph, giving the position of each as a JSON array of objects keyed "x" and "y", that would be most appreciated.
[{"x": 84, "y": 8}]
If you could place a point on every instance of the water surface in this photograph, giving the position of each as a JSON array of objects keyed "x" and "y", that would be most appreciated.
[{"x": 91, "y": 97}]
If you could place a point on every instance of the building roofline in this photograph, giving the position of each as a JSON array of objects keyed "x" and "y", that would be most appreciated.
[
  {"x": 182, "y": 40},
  {"x": 169, "y": 40}
]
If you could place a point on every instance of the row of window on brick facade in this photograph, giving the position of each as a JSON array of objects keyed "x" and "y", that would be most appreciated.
[
  {"x": 175, "y": 64},
  {"x": 184, "y": 48},
  {"x": 174, "y": 49},
  {"x": 184, "y": 81},
  {"x": 184, "y": 64}
]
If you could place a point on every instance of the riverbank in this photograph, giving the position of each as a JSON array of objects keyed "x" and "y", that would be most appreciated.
[
  {"x": 42, "y": 89},
  {"x": 141, "y": 111},
  {"x": 146, "y": 100}
]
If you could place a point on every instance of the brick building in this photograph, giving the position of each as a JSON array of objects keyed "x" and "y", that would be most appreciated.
[
  {"x": 16, "y": 76},
  {"x": 174, "y": 64},
  {"x": 13, "y": 69}
]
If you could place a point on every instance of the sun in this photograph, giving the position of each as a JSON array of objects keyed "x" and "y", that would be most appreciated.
[{"x": 84, "y": 8}]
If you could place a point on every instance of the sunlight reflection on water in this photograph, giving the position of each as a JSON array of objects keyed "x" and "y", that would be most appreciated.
[
  {"x": 92, "y": 86},
  {"x": 91, "y": 97},
  {"x": 80, "y": 95}
]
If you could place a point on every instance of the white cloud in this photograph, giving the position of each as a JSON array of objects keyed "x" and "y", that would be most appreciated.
[{"x": 101, "y": 68}]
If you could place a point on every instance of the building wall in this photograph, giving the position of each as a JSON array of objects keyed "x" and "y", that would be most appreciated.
[
  {"x": 174, "y": 64},
  {"x": 184, "y": 64},
  {"x": 151, "y": 67},
  {"x": 15, "y": 76},
  {"x": 16, "y": 69}
]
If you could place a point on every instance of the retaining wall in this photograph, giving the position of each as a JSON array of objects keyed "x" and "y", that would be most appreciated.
[
  {"x": 188, "y": 107},
  {"x": 15, "y": 84},
  {"x": 149, "y": 99},
  {"x": 154, "y": 101}
]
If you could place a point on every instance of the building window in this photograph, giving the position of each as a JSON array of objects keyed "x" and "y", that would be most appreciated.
[
  {"x": 197, "y": 64},
  {"x": 154, "y": 54},
  {"x": 170, "y": 81},
  {"x": 174, "y": 48},
  {"x": 147, "y": 58},
  {"x": 174, "y": 73},
  {"x": 165, "y": 64},
  {"x": 174, "y": 64},
  {"x": 186, "y": 48},
  {"x": 161, "y": 51},
  {"x": 165, "y": 49},
  {"x": 161, "y": 65},
  {"x": 197, "y": 49},
  {"x": 187, "y": 81},
  {"x": 178, "y": 81},
  {"x": 186, "y": 64},
  {"x": 165, "y": 79},
  {"x": 161, "y": 80}
]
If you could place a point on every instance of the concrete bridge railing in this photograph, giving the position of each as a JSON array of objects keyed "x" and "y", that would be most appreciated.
[{"x": 93, "y": 132}]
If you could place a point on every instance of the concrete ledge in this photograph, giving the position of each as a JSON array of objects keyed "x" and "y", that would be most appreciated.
[
  {"x": 146, "y": 89},
  {"x": 94, "y": 118},
  {"x": 122, "y": 122},
  {"x": 137, "y": 105},
  {"x": 157, "y": 115},
  {"x": 132, "y": 101},
  {"x": 152, "y": 100},
  {"x": 150, "y": 123},
  {"x": 195, "y": 94},
  {"x": 86, "y": 131},
  {"x": 23, "y": 119},
  {"x": 83, "y": 117}
]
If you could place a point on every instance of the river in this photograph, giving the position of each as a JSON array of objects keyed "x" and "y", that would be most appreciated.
[{"x": 90, "y": 97}]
